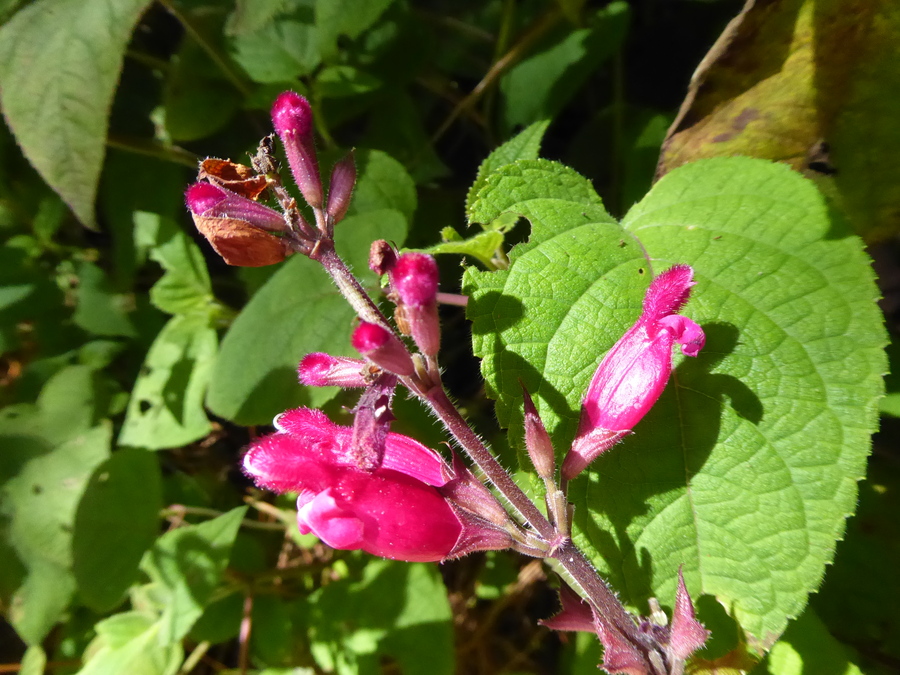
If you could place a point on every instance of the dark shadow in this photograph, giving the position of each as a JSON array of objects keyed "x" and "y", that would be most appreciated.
[
  {"x": 669, "y": 446},
  {"x": 276, "y": 392}
]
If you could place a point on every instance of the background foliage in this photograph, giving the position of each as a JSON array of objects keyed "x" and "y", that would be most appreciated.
[{"x": 136, "y": 365}]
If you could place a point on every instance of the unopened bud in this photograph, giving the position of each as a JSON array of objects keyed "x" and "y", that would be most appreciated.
[
  {"x": 324, "y": 370},
  {"x": 414, "y": 282},
  {"x": 415, "y": 279},
  {"x": 293, "y": 120},
  {"x": 340, "y": 188},
  {"x": 537, "y": 440},
  {"x": 382, "y": 348}
]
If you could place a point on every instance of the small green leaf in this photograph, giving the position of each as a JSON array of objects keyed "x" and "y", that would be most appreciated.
[
  {"x": 274, "y": 42},
  {"x": 383, "y": 184},
  {"x": 166, "y": 406},
  {"x": 100, "y": 310},
  {"x": 808, "y": 647},
  {"x": 340, "y": 81},
  {"x": 524, "y": 145},
  {"x": 59, "y": 65},
  {"x": 34, "y": 661},
  {"x": 345, "y": 17},
  {"x": 131, "y": 643},
  {"x": 482, "y": 246},
  {"x": 541, "y": 85},
  {"x": 188, "y": 562},
  {"x": 255, "y": 376},
  {"x": 116, "y": 522},
  {"x": 529, "y": 179},
  {"x": 185, "y": 287}
]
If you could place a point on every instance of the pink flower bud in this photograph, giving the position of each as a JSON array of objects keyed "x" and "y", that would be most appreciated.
[
  {"x": 415, "y": 279},
  {"x": 635, "y": 371},
  {"x": 395, "y": 511},
  {"x": 324, "y": 370},
  {"x": 238, "y": 228},
  {"x": 414, "y": 282},
  {"x": 340, "y": 188},
  {"x": 381, "y": 347},
  {"x": 293, "y": 120}
]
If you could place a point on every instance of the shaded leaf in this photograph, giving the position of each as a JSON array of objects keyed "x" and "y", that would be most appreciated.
[
  {"x": 101, "y": 310},
  {"x": 166, "y": 405},
  {"x": 345, "y": 17},
  {"x": 116, "y": 522},
  {"x": 59, "y": 65},
  {"x": 40, "y": 503},
  {"x": 541, "y": 85}
]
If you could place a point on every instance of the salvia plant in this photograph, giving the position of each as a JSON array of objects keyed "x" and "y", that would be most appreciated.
[{"x": 270, "y": 405}]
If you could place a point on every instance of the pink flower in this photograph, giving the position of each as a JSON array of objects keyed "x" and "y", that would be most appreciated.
[
  {"x": 396, "y": 510},
  {"x": 635, "y": 371},
  {"x": 414, "y": 281},
  {"x": 382, "y": 348}
]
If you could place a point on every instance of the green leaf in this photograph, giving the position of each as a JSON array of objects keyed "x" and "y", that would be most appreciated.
[
  {"x": 808, "y": 647},
  {"x": 59, "y": 65},
  {"x": 340, "y": 81},
  {"x": 185, "y": 287},
  {"x": 188, "y": 562},
  {"x": 524, "y": 145},
  {"x": 116, "y": 522},
  {"x": 296, "y": 312},
  {"x": 34, "y": 661},
  {"x": 274, "y": 42},
  {"x": 131, "y": 643},
  {"x": 383, "y": 184},
  {"x": 527, "y": 179},
  {"x": 345, "y": 17},
  {"x": 100, "y": 310},
  {"x": 166, "y": 406},
  {"x": 482, "y": 246},
  {"x": 746, "y": 468},
  {"x": 540, "y": 86},
  {"x": 39, "y": 503},
  {"x": 352, "y": 622}
]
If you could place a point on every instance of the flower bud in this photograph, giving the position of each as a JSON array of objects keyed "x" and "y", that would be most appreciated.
[
  {"x": 381, "y": 347},
  {"x": 537, "y": 440},
  {"x": 293, "y": 120},
  {"x": 340, "y": 188},
  {"x": 414, "y": 281},
  {"x": 324, "y": 370},
  {"x": 635, "y": 371},
  {"x": 237, "y": 228}
]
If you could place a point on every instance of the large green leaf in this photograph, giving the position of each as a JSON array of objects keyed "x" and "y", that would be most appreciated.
[
  {"x": 59, "y": 65},
  {"x": 746, "y": 469}
]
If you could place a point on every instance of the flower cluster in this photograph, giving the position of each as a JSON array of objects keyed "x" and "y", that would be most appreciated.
[{"x": 366, "y": 487}]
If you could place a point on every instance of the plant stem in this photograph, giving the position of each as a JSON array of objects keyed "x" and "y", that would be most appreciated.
[{"x": 324, "y": 253}]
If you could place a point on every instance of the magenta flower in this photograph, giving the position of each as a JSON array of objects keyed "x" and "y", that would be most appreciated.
[
  {"x": 382, "y": 348},
  {"x": 414, "y": 282},
  {"x": 635, "y": 371},
  {"x": 396, "y": 510}
]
